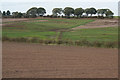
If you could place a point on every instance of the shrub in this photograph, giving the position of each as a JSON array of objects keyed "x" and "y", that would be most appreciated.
[
  {"x": 34, "y": 40},
  {"x": 59, "y": 42},
  {"x": 97, "y": 44},
  {"x": 63, "y": 42},
  {"x": 109, "y": 44},
  {"x": 5, "y": 38}
]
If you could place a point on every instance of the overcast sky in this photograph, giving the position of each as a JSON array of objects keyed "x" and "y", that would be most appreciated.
[
  {"x": 59, "y": 0},
  {"x": 24, "y": 5}
]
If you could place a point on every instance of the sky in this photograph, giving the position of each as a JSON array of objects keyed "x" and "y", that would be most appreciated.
[{"x": 24, "y": 5}]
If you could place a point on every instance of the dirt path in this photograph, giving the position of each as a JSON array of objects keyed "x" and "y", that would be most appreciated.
[
  {"x": 60, "y": 35},
  {"x": 99, "y": 23},
  {"x": 23, "y": 60}
]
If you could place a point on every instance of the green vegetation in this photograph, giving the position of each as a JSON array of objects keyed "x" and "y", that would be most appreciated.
[
  {"x": 116, "y": 17},
  {"x": 96, "y": 34},
  {"x": 57, "y": 11},
  {"x": 59, "y": 31},
  {"x": 67, "y": 11},
  {"x": 78, "y": 12},
  {"x": 45, "y": 29}
]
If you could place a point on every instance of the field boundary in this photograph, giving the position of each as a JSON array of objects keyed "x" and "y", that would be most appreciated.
[{"x": 103, "y": 44}]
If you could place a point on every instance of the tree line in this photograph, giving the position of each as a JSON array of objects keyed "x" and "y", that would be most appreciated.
[{"x": 67, "y": 12}]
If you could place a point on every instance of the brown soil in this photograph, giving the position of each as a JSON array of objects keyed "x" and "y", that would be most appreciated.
[
  {"x": 10, "y": 20},
  {"x": 37, "y": 21},
  {"x": 23, "y": 60},
  {"x": 99, "y": 23},
  {"x": 14, "y": 19}
]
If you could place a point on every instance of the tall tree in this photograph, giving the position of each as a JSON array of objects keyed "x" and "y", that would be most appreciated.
[
  {"x": 68, "y": 11},
  {"x": 87, "y": 11},
  {"x": 78, "y": 12},
  {"x": 101, "y": 12},
  {"x": 19, "y": 15},
  {"x": 93, "y": 11},
  {"x": 15, "y": 14},
  {"x": 0, "y": 14},
  {"x": 32, "y": 12},
  {"x": 109, "y": 14},
  {"x": 57, "y": 11},
  {"x": 41, "y": 11},
  {"x": 4, "y": 13},
  {"x": 8, "y": 13}
]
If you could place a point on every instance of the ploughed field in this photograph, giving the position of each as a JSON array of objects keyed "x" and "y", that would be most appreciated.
[
  {"x": 32, "y": 60},
  {"x": 62, "y": 29}
]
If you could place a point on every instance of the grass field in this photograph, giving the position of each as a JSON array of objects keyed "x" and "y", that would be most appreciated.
[
  {"x": 97, "y": 34},
  {"x": 59, "y": 29},
  {"x": 48, "y": 29},
  {"x": 117, "y": 17}
]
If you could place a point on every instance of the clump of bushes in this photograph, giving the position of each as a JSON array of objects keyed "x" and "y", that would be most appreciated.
[
  {"x": 64, "y": 42},
  {"x": 34, "y": 40},
  {"x": 82, "y": 43},
  {"x": 15, "y": 39},
  {"x": 97, "y": 44},
  {"x": 5, "y": 38},
  {"x": 111, "y": 44}
]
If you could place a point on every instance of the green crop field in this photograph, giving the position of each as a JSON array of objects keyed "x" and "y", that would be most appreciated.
[
  {"x": 48, "y": 29},
  {"x": 96, "y": 34},
  {"x": 59, "y": 29}
]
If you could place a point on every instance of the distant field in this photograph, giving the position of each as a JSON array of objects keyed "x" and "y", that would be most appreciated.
[
  {"x": 116, "y": 17},
  {"x": 41, "y": 28},
  {"x": 63, "y": 29},
  {"x": 96, "y": 34}
]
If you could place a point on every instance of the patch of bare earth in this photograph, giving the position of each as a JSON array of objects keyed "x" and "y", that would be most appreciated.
[
  {"x": 99, "y": 23},
  {"x": 14, "y": 19},
  {"x": 23, "y": 60},
  {"x": 37, "y": 21},
  {"x": 9, "y": 21}
]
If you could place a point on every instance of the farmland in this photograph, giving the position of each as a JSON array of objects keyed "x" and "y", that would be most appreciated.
[
  {"x": 97, "y": 34},
  {"x": 55, "y": 29},
  {"x": 34, "y": 60},
  {"x": 41, "y": 28}
]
